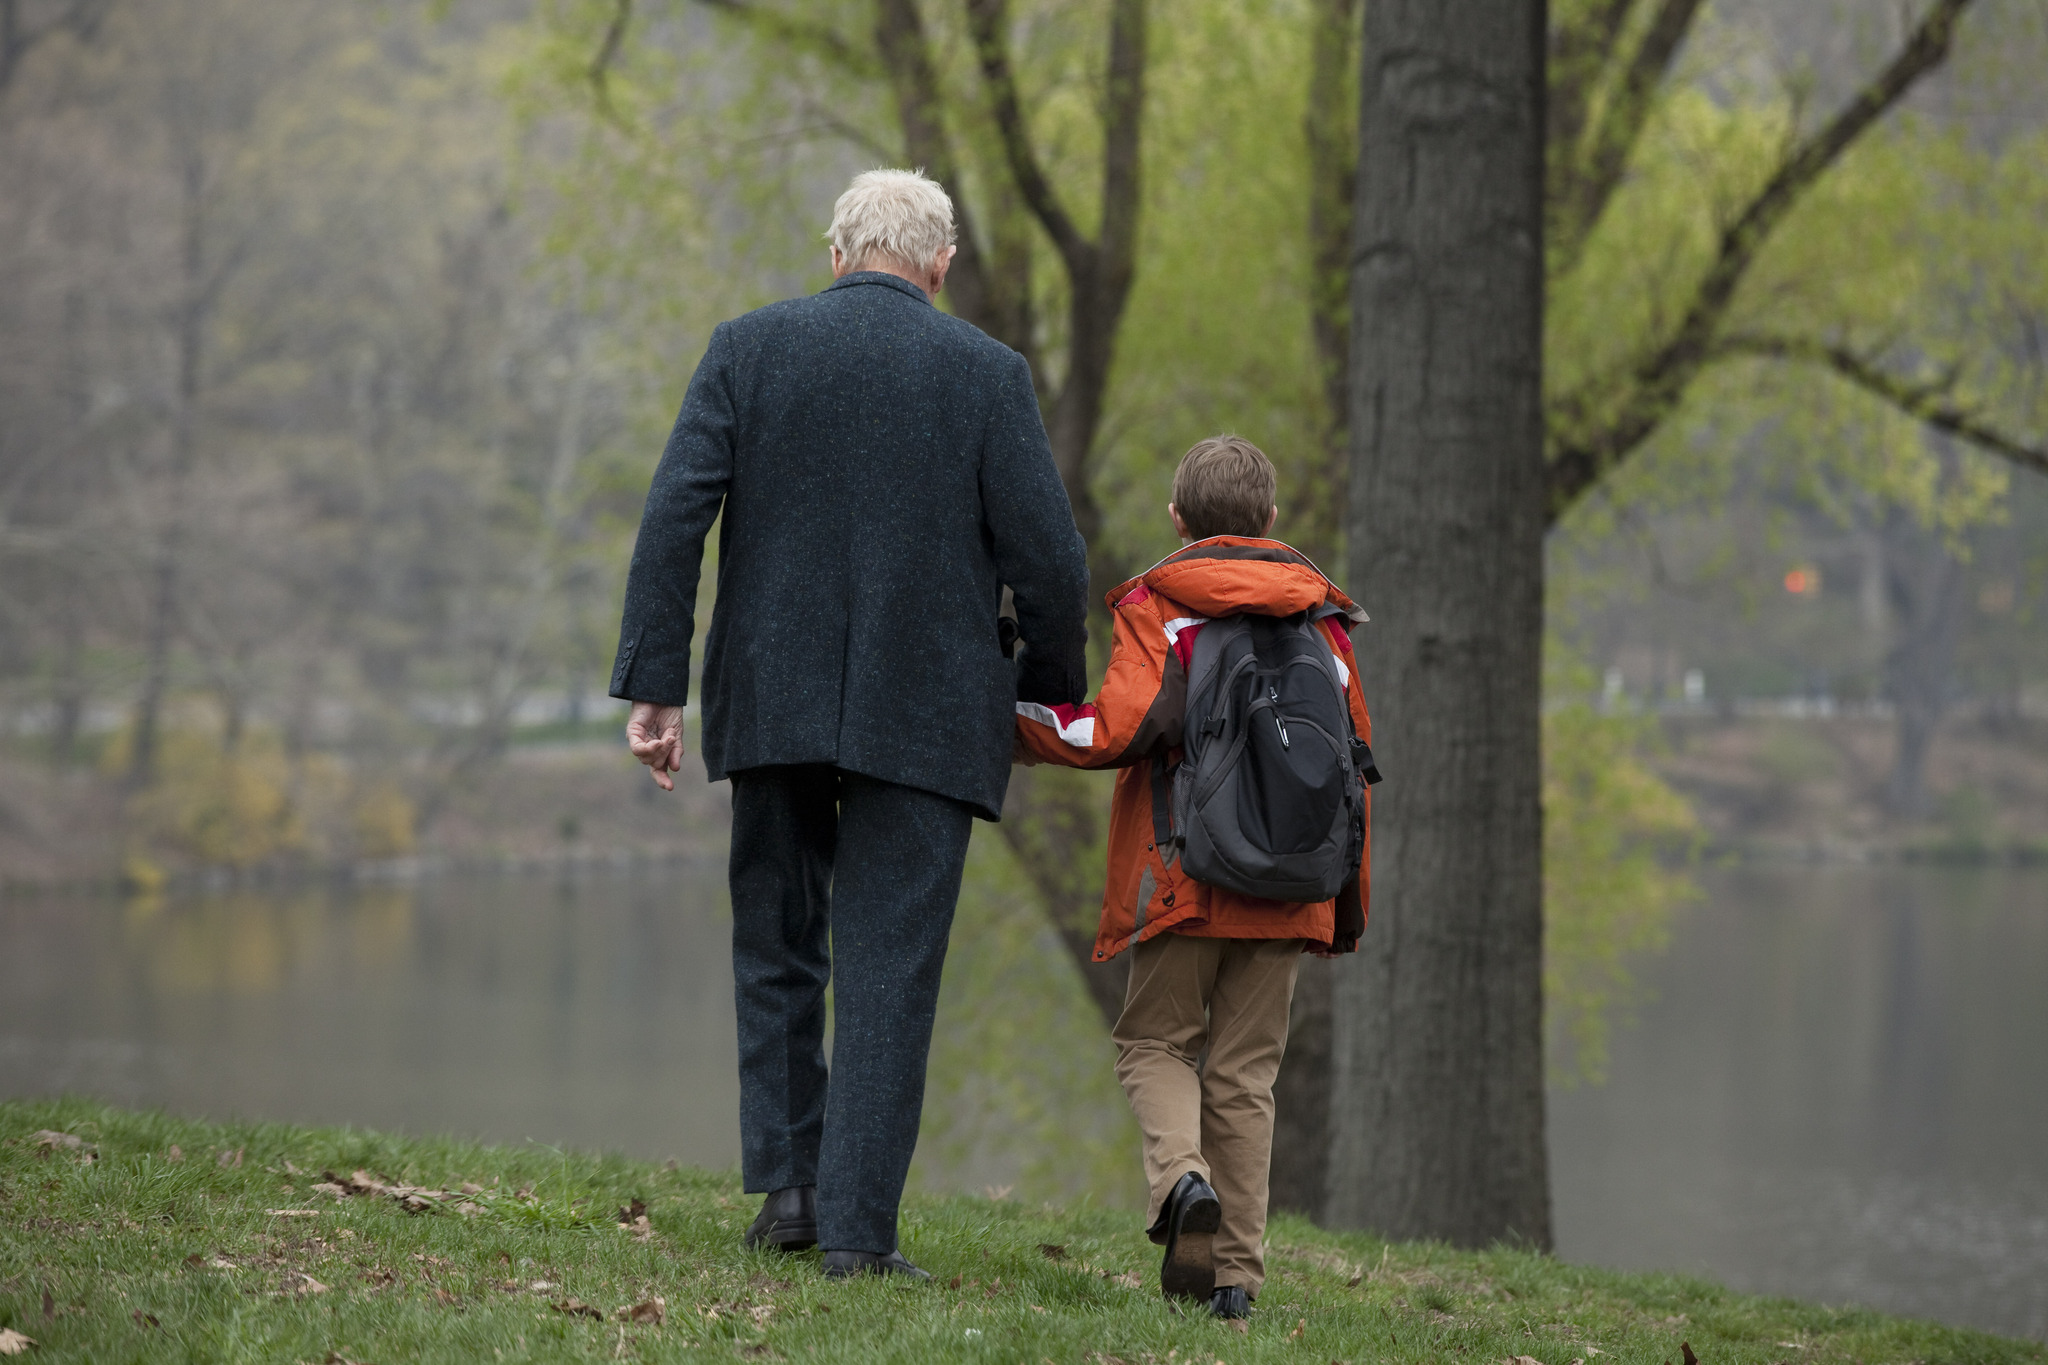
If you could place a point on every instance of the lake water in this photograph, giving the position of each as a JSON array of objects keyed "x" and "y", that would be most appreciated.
[{"x": 1835, "y": 1087}]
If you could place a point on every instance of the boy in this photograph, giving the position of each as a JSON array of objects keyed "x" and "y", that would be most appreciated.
[{"x": 1211, "y": 967}]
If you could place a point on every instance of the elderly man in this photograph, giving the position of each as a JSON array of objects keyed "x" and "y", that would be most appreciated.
[{"x": 883, "y": 474}]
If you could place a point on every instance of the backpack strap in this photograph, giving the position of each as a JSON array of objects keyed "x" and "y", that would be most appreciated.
[{"x": 1361, "y": 752}]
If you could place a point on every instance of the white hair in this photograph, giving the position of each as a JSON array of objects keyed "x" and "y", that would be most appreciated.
[{"x": 894, "y": 216}]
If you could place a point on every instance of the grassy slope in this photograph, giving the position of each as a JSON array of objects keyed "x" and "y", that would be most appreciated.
[{"x": 144, "y": 1258}]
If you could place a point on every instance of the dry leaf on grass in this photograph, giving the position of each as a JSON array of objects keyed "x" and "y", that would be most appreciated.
[
  {"x": 309, "y": 1285},
  {"x": 175, "y": 1155},
  {"x": 1052, "y": 1251},
  {"x": 230, "y": 1160},
  {"x": 1524, "y": 1360},
  {"x": 143, "y": 1319},
  {"x": 577, "y": 1308},
  {"x": 997, "y": 1192},
  {"x": 1300, "y": 1329},
  {"x": 652, "y": 1311},
  {"x": 13, "y": 1343},
  {"x": 1238, "y": 1325},
  {"x": 50, "y": 1140},
  {"x": 631, "y": 1213},
  {"x": 337, "y": 1358},
  {"x": 293, "y": 1213},
  {"x": 1685, "y": 1349}
]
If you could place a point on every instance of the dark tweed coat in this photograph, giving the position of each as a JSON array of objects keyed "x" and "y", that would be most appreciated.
[{"x": 883, "y": 472}]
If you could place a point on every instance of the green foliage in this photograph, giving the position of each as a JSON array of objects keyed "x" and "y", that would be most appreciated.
[
  {"x": 149, "y": 1248},
  {"x": 1614, "y": 839}
]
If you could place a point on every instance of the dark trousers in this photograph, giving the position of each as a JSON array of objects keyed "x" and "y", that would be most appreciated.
[{"x": 817, "y": 851}]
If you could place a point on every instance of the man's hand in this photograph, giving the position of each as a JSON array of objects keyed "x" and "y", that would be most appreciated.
[{"x": 655, "y": 735}]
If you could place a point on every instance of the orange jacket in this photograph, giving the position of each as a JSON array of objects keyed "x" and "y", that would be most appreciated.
[{"x": 1135, "y": 724}]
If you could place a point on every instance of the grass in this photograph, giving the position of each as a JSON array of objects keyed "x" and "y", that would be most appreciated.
[{"x": 122, "y": 1249}]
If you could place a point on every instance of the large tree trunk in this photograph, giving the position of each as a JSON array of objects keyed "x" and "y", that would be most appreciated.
[{"x": 1437, "y": 1109}]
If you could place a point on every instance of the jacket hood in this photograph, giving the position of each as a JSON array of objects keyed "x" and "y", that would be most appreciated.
[{"x": 1241, "y": 575}]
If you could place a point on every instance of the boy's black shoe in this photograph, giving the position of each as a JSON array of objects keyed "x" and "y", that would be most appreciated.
[
  {"x": 1190, "y": 1216},
  {"x": 844, "y": 1265},
  {"x": 788, "y": 1221},
  {"x": 1229, "y": 1301}
]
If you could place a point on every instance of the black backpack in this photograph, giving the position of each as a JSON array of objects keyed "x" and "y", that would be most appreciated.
[{"x": 1267, "y": 799}]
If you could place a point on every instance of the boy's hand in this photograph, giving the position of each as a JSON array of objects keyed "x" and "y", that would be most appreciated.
[{"x": 655, "y": 735}]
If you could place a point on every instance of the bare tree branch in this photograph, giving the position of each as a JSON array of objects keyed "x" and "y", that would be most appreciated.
[
  {"x": 1580, "y": 197},
  {"x": 607, "y": 53},
  {"x": 1584, "y": 448},
  {"x": 989, "y": 22},
  {"x": 1580, "y": 55},
  {"x": 1931, "y": 401},
  {"x": 821, "y": 40}
]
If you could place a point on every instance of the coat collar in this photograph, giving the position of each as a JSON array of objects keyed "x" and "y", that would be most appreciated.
[{"x": 881, "y": 277}]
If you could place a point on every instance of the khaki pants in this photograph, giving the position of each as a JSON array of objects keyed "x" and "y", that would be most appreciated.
[{"x": 1231, "y": 996}]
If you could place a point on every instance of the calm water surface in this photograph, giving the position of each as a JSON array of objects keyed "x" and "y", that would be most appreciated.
[{"x": 1836, "y": 1086}]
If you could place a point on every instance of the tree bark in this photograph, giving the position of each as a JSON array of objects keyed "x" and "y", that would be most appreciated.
[
  {"x": 1301, "y": 1098},
  {"x": 1924, "y": 587},
  {"x": 1437, "y": 1111}
]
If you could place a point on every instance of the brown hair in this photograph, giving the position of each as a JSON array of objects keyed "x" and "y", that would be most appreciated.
[{"x": 1224, "y": 487}]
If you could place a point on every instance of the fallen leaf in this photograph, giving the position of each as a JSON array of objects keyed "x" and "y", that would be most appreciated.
[
  {"x": 293, "y": 1213},
  {"x": 631, "y": 1213},
  {"x": 953, "y": 1283},
  {"x": 49, "y": 1138},
  {"x": 1239, "y": 1326},
  {"x": 469, "y": 1208},
  {"x": 443, "y": 1296},
  {"x": 1524, "y": 1360},
  {"x": 175, "y": 1155},
  {"x": 471, "y": 1187},
  {"x": 290, "y": 1169},
  {"x": 337, "y": 1358},
  {"x": 1595, "y": 1351},
  {"x": 377, "y": 1277},
  {"x": 329, "y": 1187},
  {"x": 577, "y": 1308},
  {"x": 1685, "y": 1349},
  {"x": 217, "y": 1263},
  {"x": 416, "y": 1203},
  {"x": 13, "y": 1343},
  {"x": 542, "y": 1286},
  {"x": 309, "y": 1285},
  {"x": 143, "y": 1319},
  {"x": 1354, "y": 1282},
  {"x": 230, "y": 1160},
  {"x": 997, "y": 1192},
  {"x": 1052, "y": 1251},
  {"x": 760, "y": 1313},
  {"x": 652, "y": 1311},
  {"x": 1300, "y": 1329}
]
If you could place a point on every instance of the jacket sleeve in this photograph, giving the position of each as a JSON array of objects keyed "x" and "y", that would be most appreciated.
[
  {"x": 690, "y": 484},
  {"x": 1140, "y": 707},
  {"x": 1039, "y": 554}
]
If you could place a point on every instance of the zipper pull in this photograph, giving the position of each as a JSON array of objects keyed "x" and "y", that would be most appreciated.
[{"x": 1273, "y": 696}]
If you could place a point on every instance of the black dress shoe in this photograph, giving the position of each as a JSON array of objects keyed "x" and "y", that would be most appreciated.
[
  {"x": 788, "y": 1221},
  {"x": 1230, "y": 1302},
  {"x": 1192, "y": 1215},
  {"x": 844, "y": 1265}
]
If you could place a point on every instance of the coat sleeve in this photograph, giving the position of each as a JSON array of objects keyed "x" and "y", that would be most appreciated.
[
  {"x": 1140, "y": 707},
  {"x": 653, "y": 662},
  {"x": 1039, "y": 554}
]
